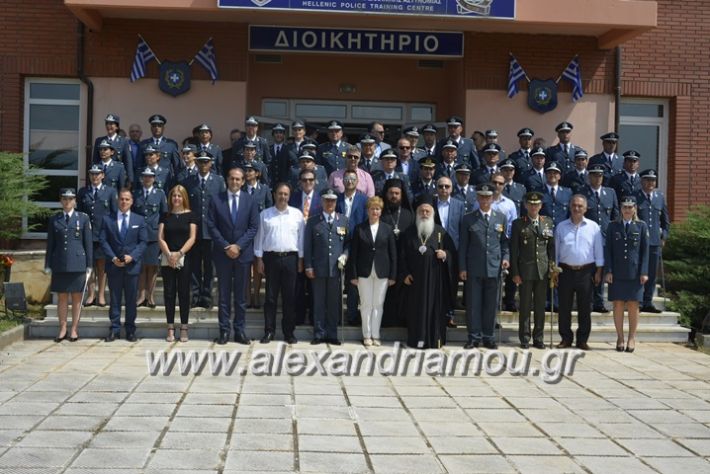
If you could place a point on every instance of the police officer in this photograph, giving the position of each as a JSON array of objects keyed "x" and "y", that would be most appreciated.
[
  {"x": 522, "y": 157},
  {"x": 483, "y": 252},
  {"x": 653, "y": 211},
  {"x": 626, "y": 268},
  {"x": 576, "y": 179},
  {"x": 602, "y": 208},
  {"x": 278, "y": 151},
  {"x": 307, "y": 161},
  {"x": 555, "y": 199},
  {"x": 189, "y": 166},
  {"x": 462, "y": 190},
  {"x": 512, "y": 189},
  {"x": 369, "y": 162},
  {"x": 491, "y": 156},
  {"x": 627, "y": 182},
  {"x": 68, "y": 259},
  {"x": 249, "y": 150},
  {"x": 97, "y": 200},
  {"x": 412, "y": 134},
  {"x": 534, "y": 179},
  {"x": 262, "y": 154},
  {"x": 492, "y": 137},
  {"x": 205, "y": 144},
  {"x": 466, "y": 148},
  {"x": 114, "y": 171},
  {"x": 293, "y": 151},
  {"x": 331, "y": 155},
  {"x": 429, "y": 134},
  {"x": 201, "y": 188},
  {"x": 563, "y": 153},
  {"x": 449, "y": 160},
  {"x": 120, "y": 144},
  {"x": 425, "y": 184},
  {"x": 325, "y": 252},
  {"x": 261, "y": 194},
  {"x": 167, "y": 148},
  {"x": 150, "y": 202},
  {"x": 163, "y": 174},
  {"x": 532, "y": 249},
  {"x": 613, "y": 163},
  {"x": 386, "y": 170}
]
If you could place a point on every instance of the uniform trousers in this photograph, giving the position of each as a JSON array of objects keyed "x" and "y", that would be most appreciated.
[
  {"x": 177, "y": 283},
  {"x": 281, "y": 270},
  {"x": 202, "y": 270},
  {"x": 120, "y": 284},
  {"x": 372, "y": 301},
  {"x": 481, "y": 301},
  {"x": 654, "y": 252},
  {"x": 578, "y": 282},
  {"x": 327, "y": 306},
  {"x": 532, "y": 297}
]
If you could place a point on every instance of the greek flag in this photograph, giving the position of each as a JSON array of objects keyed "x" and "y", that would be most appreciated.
[
  {"x": 515, "y": 73},
  {"x": 143, "y": 56},
  {"x": 574, "y": 75},
  {"x": 207, "y": 59}
]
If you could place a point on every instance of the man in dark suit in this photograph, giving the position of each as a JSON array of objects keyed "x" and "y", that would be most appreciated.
[
  {"x": 578, "y": 177},
  {"x": 562, "y": 153},
  {"x": 123, "y": 240},
  {"x": 448, "y": 213},
  {"x": 627, "y": 182},
  {"x": 120, "y": 144},
  {"x": 522, "y": 157},
  {"x": 612, "y": 162},
  {"x": 205, "y": 144},
  {"x": 166, "y": 147},
  {"x": 232, "y": 220},
  {"x": 405, "y": 163},
  {"x": 466, "y": 149},
  {"x": 325, "y": 252}
]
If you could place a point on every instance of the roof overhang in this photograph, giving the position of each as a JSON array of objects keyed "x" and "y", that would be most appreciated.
[{"x": 612, "y": 22}]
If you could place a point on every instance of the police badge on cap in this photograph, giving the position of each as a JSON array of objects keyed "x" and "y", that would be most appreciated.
[
  {"x": 157, "y": 119},
  {"x": 251, "y": 121},
  {"x": 648, "y": 174},
  {"x": 68, "y": 193},
  {"x": 106, "y": 144},
  {"x": 367, "y": 139},
  {"x": 564, "y": 127},
  {"x": 188, "y": 148},
  {"x": 492, "y": 148},
  {"x": 335, "y": 125},
  {"x": 539, "y": 151},
  {"x": 628, "y": 201},
  {"x": 204, "y": 128},
  {"x": 526, "y": 132},
  {"x": 632, "y": 155},
  {"x": 484, "y": 189},
  {"x": 112, "y": 118},
  {"x": 553, "y": 166},
  {"x": 450, "y": 144},
  {"x": 279, "y": 127}
]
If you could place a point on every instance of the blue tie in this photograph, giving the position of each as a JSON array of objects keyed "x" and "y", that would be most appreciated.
[
  {"x": 124, "y": 226},
  {"x": 234, "y": 208}
]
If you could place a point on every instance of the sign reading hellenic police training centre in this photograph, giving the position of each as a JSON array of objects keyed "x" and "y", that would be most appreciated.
[
  {"x": 471, "y": 8},
  {"x": 328, "y": 40}
]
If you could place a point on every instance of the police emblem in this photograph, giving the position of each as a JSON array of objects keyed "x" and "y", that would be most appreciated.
[
  {"x": 542, "y": 95},
  {"x": 260, "y": 3},
  {"x": 174, "y": 78},
  {"x": 473, "y": 7}
]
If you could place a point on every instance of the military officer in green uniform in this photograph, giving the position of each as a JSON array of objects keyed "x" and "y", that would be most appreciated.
[{"x": 532, "y": 249}]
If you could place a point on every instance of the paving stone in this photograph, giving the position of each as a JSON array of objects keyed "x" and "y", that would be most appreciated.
[
  {"x": 655, "y": 447},
  {"x": 406, "y": 463},
  {"x": 191, "y": 441},
  {"x": 137, "y": 423},
  {"x": 685, "y": 430},
  {"x": 185, "y": 459},
  {"x": 8, "y": 437},
  {"x": 263, "y": 411},
  {"x": 333, "y": 462},
  {"x": 634, "y": 429},
  {"x": 607, "y": 464},
  {"x": 541, "y": 446},
  {"x": 591, "y": 446},
  {"x": 384, "y": 428},
  {"x": 545, "y": 464},
  {"x": 503, "y": 416},
  {"x": 257, "y": 425},
  {"x": 396, "y": 445},
  {"x": 323, "y": 427},
  {"x": 329, "y": 444},
  {"x": 258, "y": 461},
  {"x": 145, "y": 409},
  {"x": 519, "y": 430},
  {"x": 324, "y": 412},
  {"x": 375, "y": 402},
  {"x": 74, "y": 423},
  {"x": 23, "y": 422},
  {"x": 35, "y": 458},
  {"x": 262, "y": 442},
  {"x": 87, "y": 409},
  {"x": 27, "y": 408},
  {"x": 128, "y": 439},
  {"x": 461, "y": 445},
  {"x": 205, "y": 411},
  {"x": 699, "y": 446},
  {"x": 468, "y": 464},
  {"x": 112, "y": 458},
  {"x": 56, "y": 439}
]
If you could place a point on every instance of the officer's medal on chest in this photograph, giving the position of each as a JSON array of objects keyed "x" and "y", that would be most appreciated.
[{"x": 77, "y": 233}]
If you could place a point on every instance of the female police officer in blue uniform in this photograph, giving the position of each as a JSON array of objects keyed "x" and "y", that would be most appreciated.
[
  {"x": 626, "y": 268},
  {"x": 68, "y": 259}
]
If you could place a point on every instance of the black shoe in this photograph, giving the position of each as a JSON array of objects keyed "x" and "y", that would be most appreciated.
[
  {"x": 353, "y": 322},
  {"x": 335, "y": 342},
  {"x": 141, "y": 304},
  {"x": 73, "y": 339},
  {"x": 101, "y": 305},
  {"x": 268, "y": 337},
  {"x": 524, "y": 345},
  {"x": 471, "y": 345},
  {"x": 206, "y": 303},
  {"x": 452, "y": 324},
  {"x": 584, "y": 346},
  {"x": 564, "y": 345},
  {"x": 291, "y": 339},
  {"x": 60, "y": 339},
  {"x": 112, "y": 336},
  {"x": 497, "y": 325},
  {"x": 620, "y": 348},
  {"x": 317, "y": 341},
  {"x": 131, "y": 337},
  {"x": 241, "y": 338},
  {"x": 87, "y": 304},
  {"x": 600, "y": 309},
  {"x": 629, "y": 349},
  {"x": 539, "y": 345},
  {"x": 223, "y": 338},
  {"x": 151, "y": 305},
  {"x": 510, "y": 307},
  {"x": 490, "y": 345},
  {"x": 650, "y": 309}
]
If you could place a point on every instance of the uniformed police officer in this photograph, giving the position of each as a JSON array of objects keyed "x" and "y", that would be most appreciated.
[
  {"x": 429, "y": 134},
  {"x": 167, "y": 148},
  {"x": 563, "y": 153},
  {"x": 627, "y": 182},
  {"x": 261, "y": 194},
  {"x": 120, "y": 144},
  {"x": 325, "y": 251},
  {"x": 163, "y": 174},
  {"x": 512, "y": 189},
  {"x": 613, "y": 163},
  {"x": 368, "y": 160},
  {"x": 449, "y": 160},
  {"x": 249, "y": 150},
  {"x": 626, "y": 268},
  {"x": 307, "y": 161},
  {"x": 466, "y": 149},
  {"x": 522, "y": 157},
  {"x": 491, "y": 156},
  {"x": 532, "y": 249},
  {"x": 151, "y": 203},
  {"x": 262, "y": 153},
  {"x": 189, "y": 168},
  {"x": 462, "y": 190},
  {"x": 293, "y": 151},
  {"x": 386, "y": 170},
  {"x": 425, "y": 184},
  {"x": 201, "y": 188},
  {"x": 68, "y": 259},
  {"x": 331, "y": 155},
  {"x": 114, "y": 171},
  {"x": 412, "y": 134},
  {"x": 534, "y": 179},
  {"x": 97, "y": 200},
  {"x": 205, "y": 144},
  {"x": 492, "y": 137},
  {"x": 653, "y": 211},
  {"x": 279, "y": 152},
  {"x": 578, "y": 177},
  {"x": 555, "y": 199},
  {"x": 483, "y": 252}
]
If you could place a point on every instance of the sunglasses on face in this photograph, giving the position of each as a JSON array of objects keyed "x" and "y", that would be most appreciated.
[
  {"x": 308, "y": 180},
  {"x": 405, "y": 148},
  {"x": 444, "y": 186}
]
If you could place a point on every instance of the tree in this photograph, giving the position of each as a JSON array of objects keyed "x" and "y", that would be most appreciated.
[{"x": 18, "y": 186}]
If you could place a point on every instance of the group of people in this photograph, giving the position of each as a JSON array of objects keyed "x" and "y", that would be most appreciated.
[{"x": 394, "y": 228}]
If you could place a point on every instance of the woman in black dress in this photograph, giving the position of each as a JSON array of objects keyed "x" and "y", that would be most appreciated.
[
  {"x": 68, "y": 259},
  {"x": 626, "y": 269},
  {"x": 177, "y": 232}
]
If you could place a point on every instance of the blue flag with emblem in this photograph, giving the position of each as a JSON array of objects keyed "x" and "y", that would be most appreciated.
[
  {"x": 174, "y": 77},
  {"x": 515, "y": 73},
  {"x": 206, "y": 57},
  {"x": 573, "y": 74},
  {"x": 143, "y": 56}
]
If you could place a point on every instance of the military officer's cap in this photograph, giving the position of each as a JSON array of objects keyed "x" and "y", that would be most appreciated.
[
  {"x": 203, "y": 127},
  {"x": 113, "y": 118},
  {"x": 251, "y": 120},
  {"x": 427, "y": 163},
  {"x": 68, "y": 193},
  {"x": 157, "y": 118},
  {"x": 492, "y": 148},
  {"x": 305, "y": 155},
  {"x": 279, "y": 127},
  {"x": 247, "y": 166},
  {"x": 526, "y": 132},
  {"x": 610, "y": 137},
  {"x": 189, "y": 148},
  {"x": 148, "y": 172},
  {"x": 149, "y": 150},
  {"x": 462, "y": 168},
  {"x": 411, "y": 131},
  {"x": 507, "y": 163},
  {"x": 96, "y": 169},
  {"x": 106, "y": 144},
  {"x": 484, "y": 189},
  {"x": 564, "y": 127},
  {"x": 450, "y": 144},
  {"x": 309, "y": 146},
  {"x": 553, "y": 166},
  {"x": 204, "y": 154},
  {"x": 632, "y": 155},
  {"x": 648, "y": 174},
  {"x": 628, "y": 201},
  {"x": 599, "y": 168},
  {"x": 328, "y": 193},
  {"x": 367, "y": 139},
  {"x": 388, "y": 154},
  {"x": 454, "y": 121},
  {"x": 423, "y": 199},
  {"x": 492, "y": 133},
  {"x": 250, "y": 144},
  {"x": 533, "y": 197},
  {"x": 580, "y": 154},
  {"x": 298, "y": 124},
  {"x": 538, "y": 151},
  {"x": 430, "y": 127},
  {"x": 335, "y": 125}
]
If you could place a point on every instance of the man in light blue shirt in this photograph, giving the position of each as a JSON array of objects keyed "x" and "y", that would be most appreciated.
[{"x": 580, "y": 255}]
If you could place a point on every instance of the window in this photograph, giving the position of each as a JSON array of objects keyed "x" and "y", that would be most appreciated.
[{"x": 52, "y": 142}]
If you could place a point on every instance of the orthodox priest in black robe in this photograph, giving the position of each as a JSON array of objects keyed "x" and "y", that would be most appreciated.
[{"x": 427, "y": 264}]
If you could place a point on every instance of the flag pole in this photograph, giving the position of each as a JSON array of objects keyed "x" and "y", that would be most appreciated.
[
  {"x": 563, "y": 72},
  {"x": 151, "y": 49},
  {"x": 193, "y": 58}
]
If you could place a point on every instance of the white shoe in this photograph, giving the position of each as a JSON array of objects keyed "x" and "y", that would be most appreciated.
[
  {"x": 376, "y": 342},
  {"x": 367, "y": 342}
]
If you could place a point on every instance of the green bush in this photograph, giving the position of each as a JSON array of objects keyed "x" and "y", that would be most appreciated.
[
  {"x": 18, "y": 186},
  {"x": 687, "y": 264}
]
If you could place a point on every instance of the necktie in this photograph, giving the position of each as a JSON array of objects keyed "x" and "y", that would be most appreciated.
[
  {"x": 202, "y": 183},
  {"x": 507, "y": 188},
  {"x": 278, "y": 149},
  {"x": 448, "y": 170},
  {"x": 234, "y": 208},
  {"x": 145, "y": 195},
  {"x": 552, "y": 193},
  {"x": 96, "y": 193},
  {"x": 306, "y": 207},
  {"x": 104, "y": 166},
  {"x": 596, "y": 194},
  {"x": 648, "y": 196},
  {"x": 251, "y": 190},
  {"x": 330, "y": 221},
  {"x": 124, "y": 226},
  {"x": 156, "y": 142},
  {"x": 66, "y": 219},
  {"x": 626, "y": 228},
  {"x": 536, "y": 225},
  {"x": 527, "y": 154},
  {"x": 367, "y": 165},
  {"x": 485, "y": 219}
]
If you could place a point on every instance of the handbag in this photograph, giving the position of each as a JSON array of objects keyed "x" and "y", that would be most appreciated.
[{"x": 164, "y": 261}]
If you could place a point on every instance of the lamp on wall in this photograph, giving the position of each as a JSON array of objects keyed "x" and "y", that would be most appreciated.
[{"x": 347, "y": 88}]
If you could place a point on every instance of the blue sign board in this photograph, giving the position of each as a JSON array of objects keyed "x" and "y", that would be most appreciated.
[
  {"x": 334, "y": 40},
  {"x": 468, "y": 8}
]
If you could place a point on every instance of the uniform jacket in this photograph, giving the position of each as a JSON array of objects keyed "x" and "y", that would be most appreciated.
[
  {"x": 466, "y": 151},
  {"x": 523, "y": 163},
  {"x": 358, "y": 213},
  {"x": 261, "y": 195},
  {"x": 281, "y": 162},
  {"x": 225, "y": 233},
  {"x": 364, "y": 252},
  {"x": 106, "y": 204},
  {"x": 134, "y": 244},
  {"x": 531, "y": 251},
  {"x": 185, "y": 173},
  {"x": 200, "y": 199},
  {"x": 483, "y": 246},
  {"x": 468, "y": 197},
  {"x": 516, "y": 193},
  {"x": 69, "y": 246},
  {"x": 379, "y": 178},
  {"x": 331, "y": 156},
  {"x": 480, "y": 176},
  {"x": 260, "y": 166},
  {"x": 602, "y": 210},
  {"x": 623, "y": 186},
  {"x": 216, "y": 152},
  {"x": 163, "y": 178},
  {"x": 123, "y": 153},
  {"x": 374, "y": 164},
  {"x": 556, "y": 153},
  {"x": 323, "y": 244},
  {"x": 655, "y": 214},
  {"x": 263, "y": 153},
  {"x": 533, "y": 181},
  {"x": 442, "y": 169},
  {"x": 419, "y": 187},
  {"x": 457, "y": 209},
  {"x": 626, "y": 253},
  {"x": 114, "y": 174},
  {"x": 559, "y": 209},
  {"x": 169, "y": 154},
  {"x": 616, "y": 165},
  {"x": 574, "y": 181},
  {"x": 151, "y": 208}
]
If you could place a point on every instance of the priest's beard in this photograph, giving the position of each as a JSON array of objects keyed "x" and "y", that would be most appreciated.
[{"x": 425, "y": 226}]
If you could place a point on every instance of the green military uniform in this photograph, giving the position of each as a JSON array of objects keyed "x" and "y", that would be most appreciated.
[{"x": 532, "y": 248}]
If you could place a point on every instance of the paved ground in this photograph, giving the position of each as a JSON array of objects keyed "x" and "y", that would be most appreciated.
[{"x": 92, "y": 407}]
